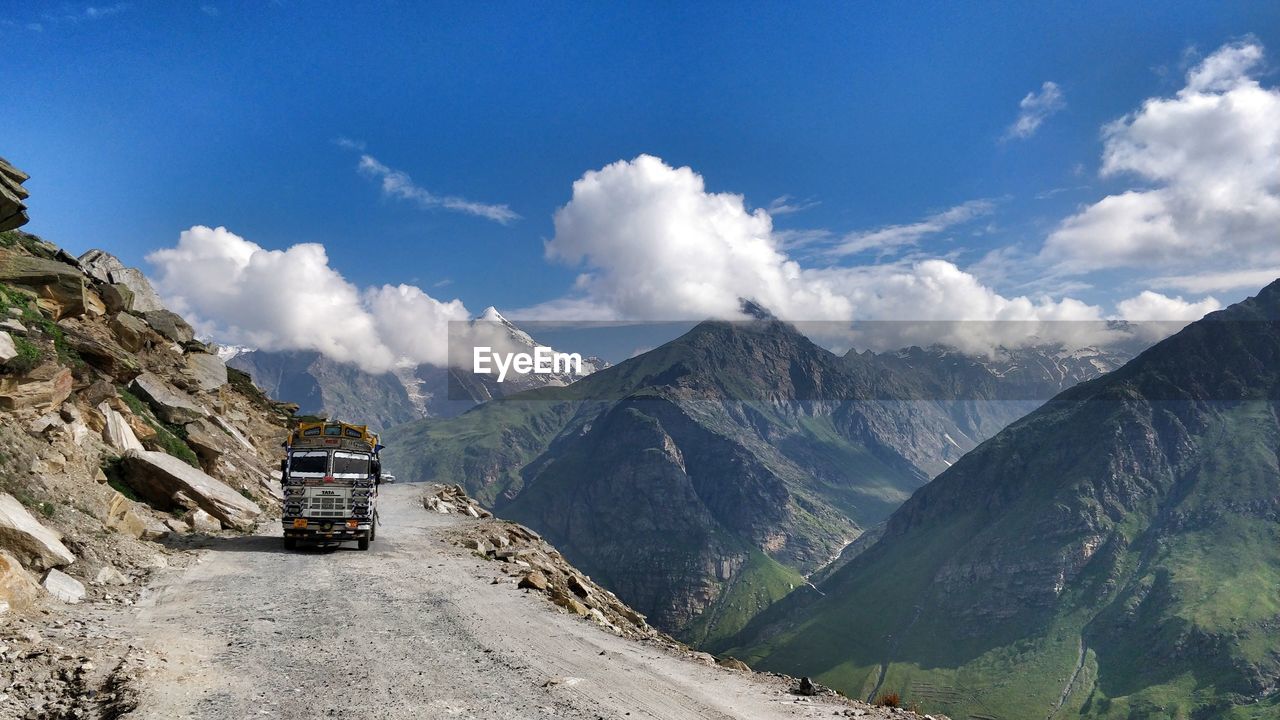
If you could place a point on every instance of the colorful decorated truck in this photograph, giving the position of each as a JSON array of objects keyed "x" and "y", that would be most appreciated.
[{"x": 330, "y": 473}]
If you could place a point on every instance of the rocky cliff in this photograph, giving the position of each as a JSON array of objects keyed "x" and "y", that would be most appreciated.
[{"x": 119, "y": 435}]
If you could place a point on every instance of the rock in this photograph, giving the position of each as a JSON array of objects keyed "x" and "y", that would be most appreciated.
[
  {"x": 104, "y": 354},
  {"x": 64, "y": 587},
  {"x": 533, "y": 580},
  {"x": 170, "y": 325},
  {"x": 577, "y": 587},
  {"x": 18, "y": 589},
  {"x": 13, "y": 211},
  {"x": 93, "y": 303},
  {"x": 476, "y": 544},
  {"x": 45, "y": 425},
  {"x": 208, "y": 440},
  {"x": 233, "y": 432},
  {"x": 117, "y": 432},
  {"x": 44, "y": 387},
  {"x": 177, "y": 525},
  {"x": 140, "y": 427},
  {"x": 116, "y": 297},
  {"x": 110, "y": 576},
  {"x": 12, "y": 325},
  {"x": 202, "y": 521},
  {"x": 169, "y": 404},
  {"x": 130, "y": 331},
  {"x": 702, "y": 657},
  {"x": 600, "y": 619},
  {"x": 99, "y": 265},
  {"x": 159, "y": 477},
  {"x": 569, "y": 603},
  {"x": 8, "y": 350},
  {"x": 145, "y": 298},
  {"x": 185, "y": 502},
  {"x": 117, "y": 513},
  {"x": 733, "y": 664},
  {"x": 208, "y": 371},
  {"x": 108, "y": 270},
  {"x": 35, "y": 545},
  {"x": 153, "y": 529},
  {"x": 97, "y": 392},
  {"x": 632, "y": 616},
  {"x": 59, "y": 287},
  {"x": 806, "y": 687}
]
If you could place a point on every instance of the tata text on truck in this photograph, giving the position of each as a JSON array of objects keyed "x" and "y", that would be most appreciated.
[{"x": 330, "y": 475}]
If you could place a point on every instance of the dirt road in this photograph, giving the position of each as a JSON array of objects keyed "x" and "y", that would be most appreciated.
[{"x": 413, "y": 628}]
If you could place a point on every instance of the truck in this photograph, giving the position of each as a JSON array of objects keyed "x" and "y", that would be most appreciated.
[{"x": 330, "y": 476}]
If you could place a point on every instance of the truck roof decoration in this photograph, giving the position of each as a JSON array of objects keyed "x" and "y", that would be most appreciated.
[{"x": 333, "y": 435}]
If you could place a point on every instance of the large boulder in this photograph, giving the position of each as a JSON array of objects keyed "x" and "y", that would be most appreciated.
[
  {"x": 208, "y": 440},
  {"x": 159, "y": 478},
  {"x": 117, "y": 432},
  {"x": 117, "y": 513},
  {"x": 203, "y": 522},
  {"x": 104, "y": 354},
  {"x": 170, "y": 404},
  {"x": 58, "y": 287},
  {"x": 208, "y": 371},
  {"x": 13, "y": 211},
  {"x": 170, "y": 325},
  {"x": 35, "y": 545},
  {"x": 107, "y": 269},
  {"x": 99, "y": 264},
  {"x": 116, "y": 297},
  {"x": 18, "y": 589},
  {"x": 64, "y": 587},
  {"x": 130, "y": 331},
  {"x": 46, "y": 386},
  {"x": 8, "y": 350},
  {"x": 145, "y": 298}
]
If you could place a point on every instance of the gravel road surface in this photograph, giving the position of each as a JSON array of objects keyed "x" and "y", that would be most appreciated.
[{"x": 412, "y": 628}]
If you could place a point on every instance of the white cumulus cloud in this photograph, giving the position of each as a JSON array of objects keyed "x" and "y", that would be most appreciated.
[
  {"x": 1150, "y": 306},
  {"x": 654, "y": 244},
  {"x": 242, "y": 293},
  {"x": 1208, "y": 162}
]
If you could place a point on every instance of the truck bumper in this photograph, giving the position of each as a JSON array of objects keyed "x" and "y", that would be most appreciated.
[{"x": 327, "y": 532}]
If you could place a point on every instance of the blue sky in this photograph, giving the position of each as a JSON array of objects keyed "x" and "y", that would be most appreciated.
[{"x": 139, "y": 120}]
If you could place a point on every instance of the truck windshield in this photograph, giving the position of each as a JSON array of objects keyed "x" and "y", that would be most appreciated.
[
  {"x": 312, "y": 463},
  {"x": 350, "y": 464}
]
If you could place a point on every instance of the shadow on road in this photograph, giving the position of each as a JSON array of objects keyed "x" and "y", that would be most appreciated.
[{"x": 249, "y": 544}]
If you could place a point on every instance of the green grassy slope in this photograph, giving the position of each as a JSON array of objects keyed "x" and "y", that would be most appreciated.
[{"x": 1114, "y": 555}]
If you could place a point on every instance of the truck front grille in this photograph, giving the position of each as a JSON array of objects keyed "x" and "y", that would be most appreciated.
[{"x": 327, "y": 506}]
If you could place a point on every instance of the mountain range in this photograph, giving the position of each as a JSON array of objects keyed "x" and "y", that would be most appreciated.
[
  {"x": 1116, "y": 553},
  {"x": 702, "y": 480}
]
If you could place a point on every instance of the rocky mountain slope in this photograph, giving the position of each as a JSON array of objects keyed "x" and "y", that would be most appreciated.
[
  {"x": 702, "y": 480},
  {"x": 1114, "y": 554},
  {"x": 120, "y": 435},
  {"x": 320, "y": 386}
]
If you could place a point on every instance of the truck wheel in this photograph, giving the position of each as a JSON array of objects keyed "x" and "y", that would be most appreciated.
[
  {"x": 363, "y": 543},
  {"x": 290, "y": 543}
]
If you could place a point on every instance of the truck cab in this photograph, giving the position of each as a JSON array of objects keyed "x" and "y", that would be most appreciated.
[{"x": 330, "y": 475}]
